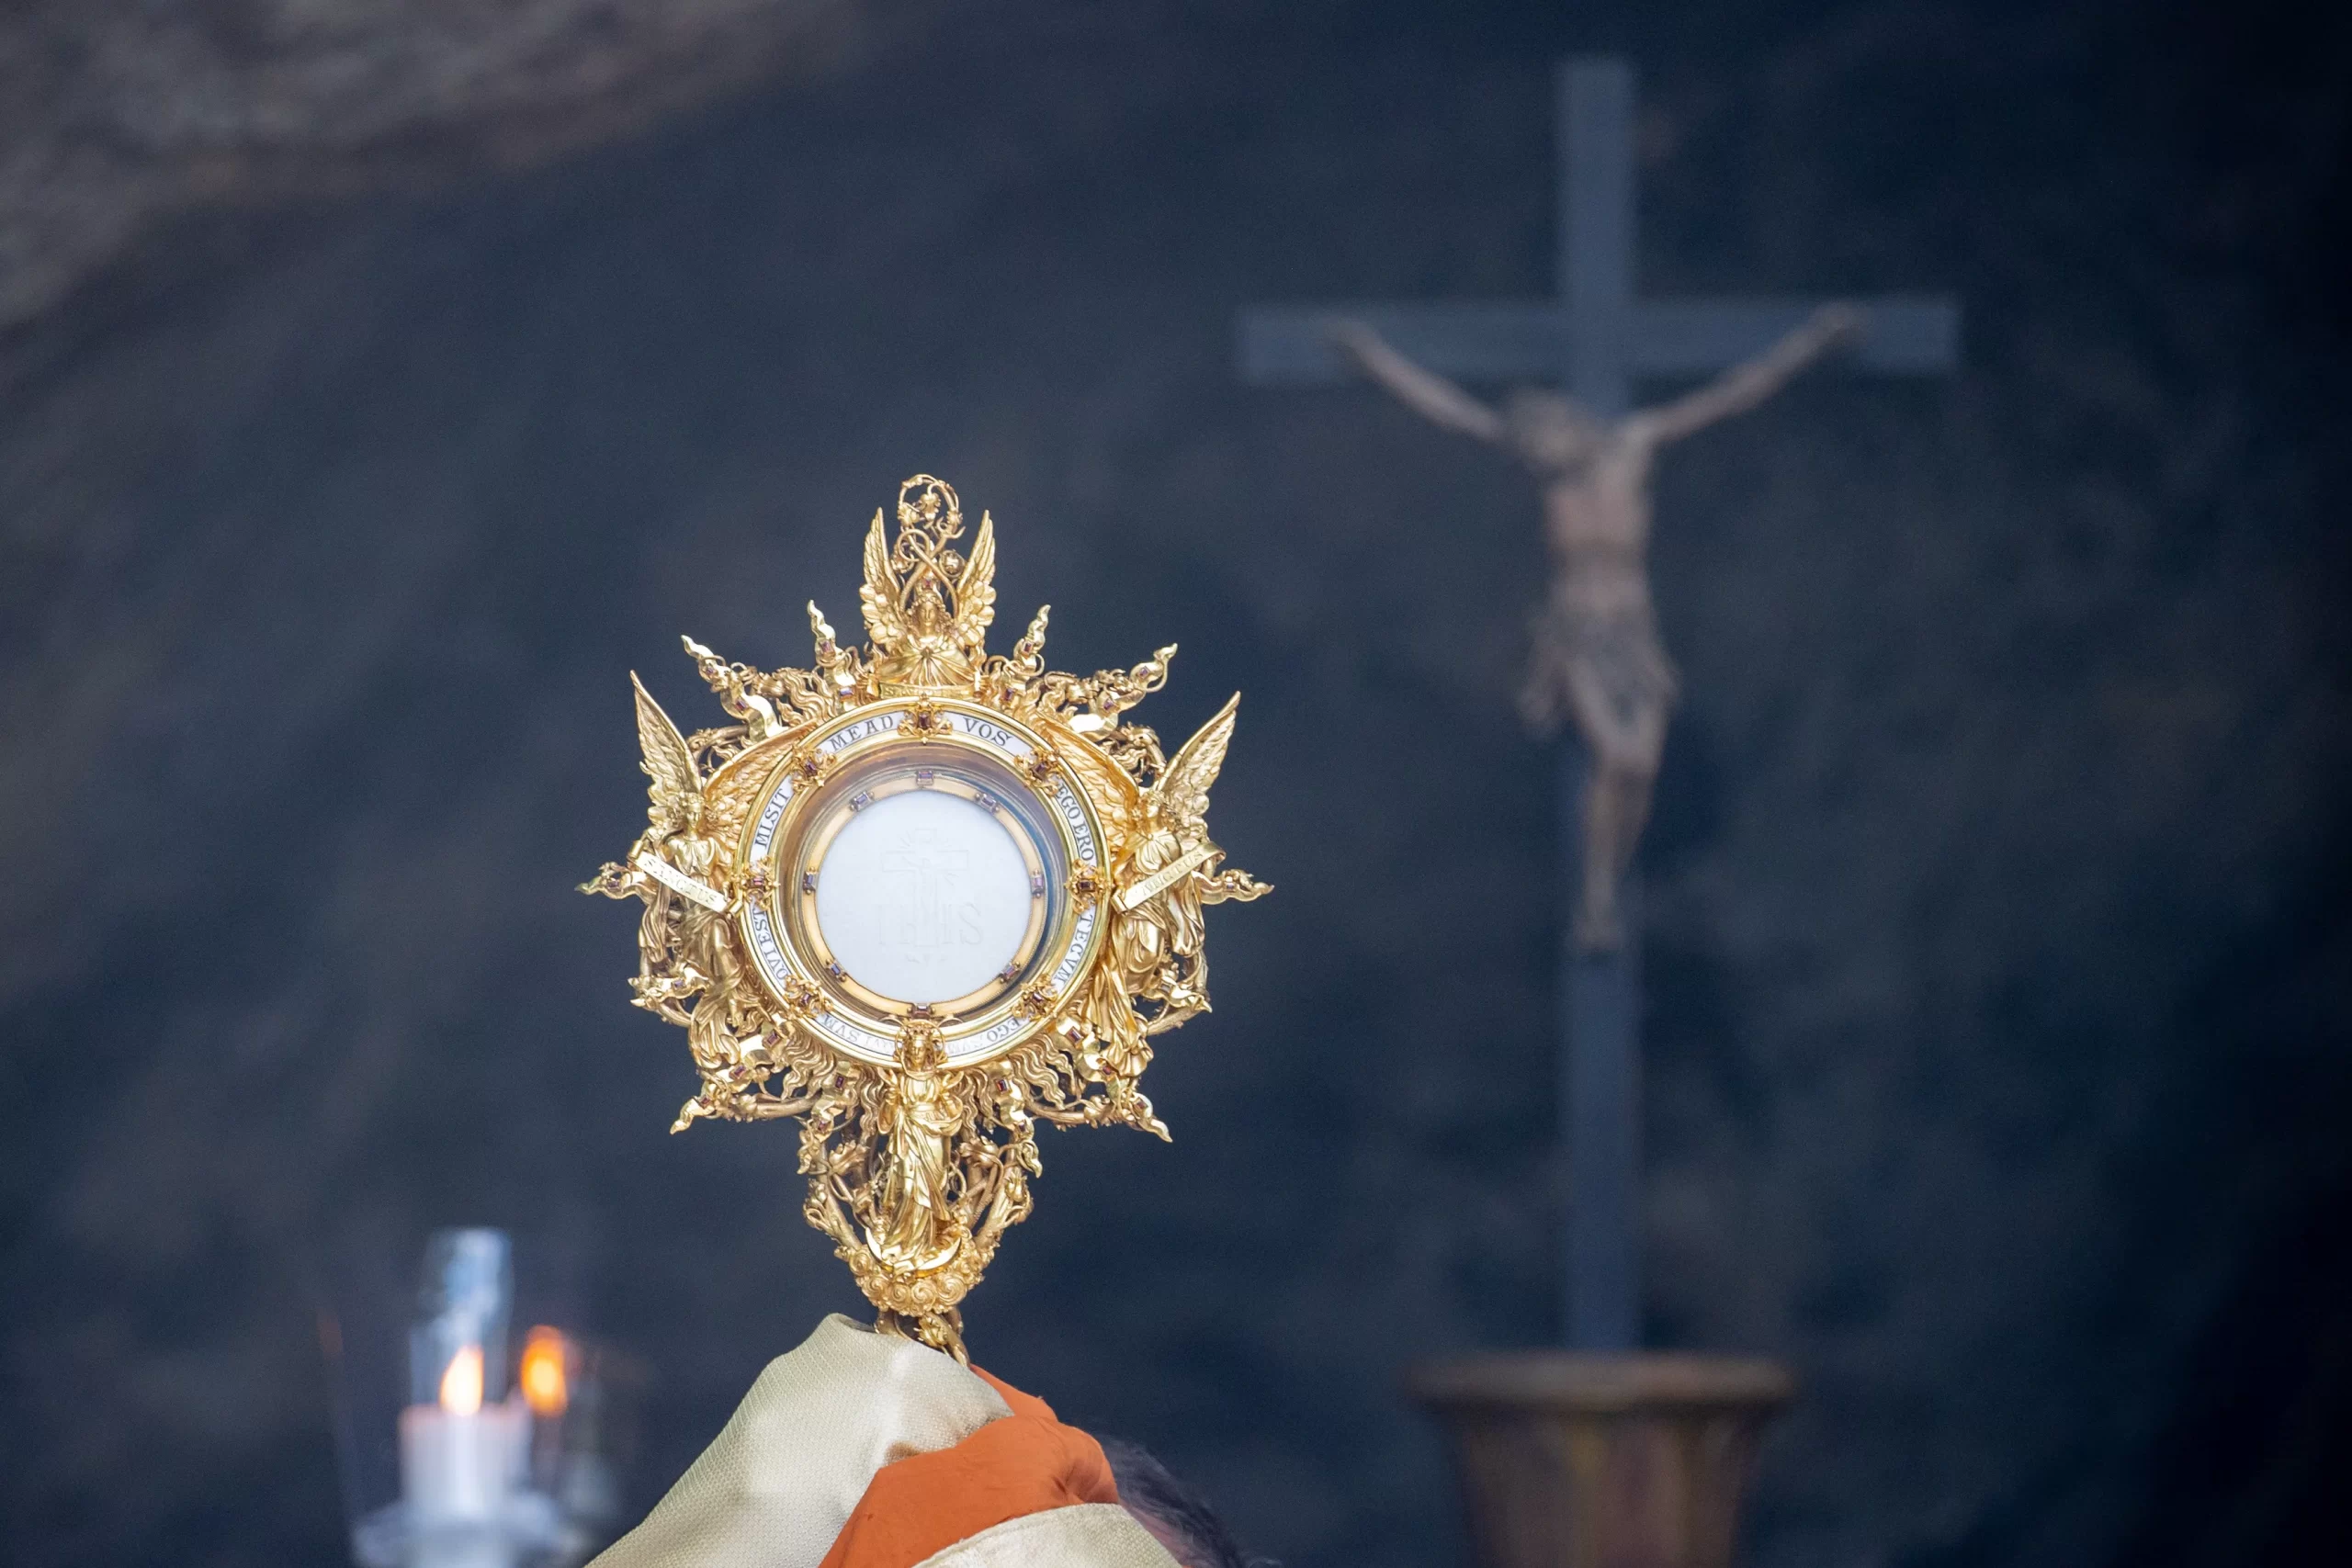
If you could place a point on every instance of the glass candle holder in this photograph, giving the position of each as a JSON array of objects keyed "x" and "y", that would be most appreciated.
[{"x": 439, "y": 1459}]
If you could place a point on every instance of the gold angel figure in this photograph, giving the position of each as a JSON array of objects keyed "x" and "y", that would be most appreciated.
[
  {"x": 927, "y": 606},
  {"x": 916, "y": 1229},
  {"x": 680, "y": 920},
  {"x": 1156, "y": 950}
]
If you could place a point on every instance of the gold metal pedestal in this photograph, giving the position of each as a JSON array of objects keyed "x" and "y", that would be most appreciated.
[{"x": 1577, "y": 1460}]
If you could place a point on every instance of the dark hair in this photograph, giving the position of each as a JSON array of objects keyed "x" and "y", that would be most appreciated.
[{"x": 1147, "y": 1487}]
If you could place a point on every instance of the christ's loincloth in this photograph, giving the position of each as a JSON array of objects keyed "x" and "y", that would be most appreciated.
[{"x": 1616, "y": 650}]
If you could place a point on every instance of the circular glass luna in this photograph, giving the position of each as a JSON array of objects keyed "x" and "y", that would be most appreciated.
[
  {"x": 924, "y": 875},
  {"x": 924, "y": 894}
]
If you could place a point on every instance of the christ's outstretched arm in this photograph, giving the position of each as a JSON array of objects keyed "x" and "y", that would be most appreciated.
[
  {"x": 1425, "y": 392},
  {"x": 1743, "y": 387}
]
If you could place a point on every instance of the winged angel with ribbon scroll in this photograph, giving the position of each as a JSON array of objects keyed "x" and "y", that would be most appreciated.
[{"x": 685, "y": 952}]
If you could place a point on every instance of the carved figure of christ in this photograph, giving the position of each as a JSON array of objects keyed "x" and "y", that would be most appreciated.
[
  {"x": 1597, "y": 659},
  {"x": 1597, "y": 336}
]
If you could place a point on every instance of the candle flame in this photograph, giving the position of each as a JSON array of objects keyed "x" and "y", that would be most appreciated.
[
  {"x": 545, "y": 1387},
  {"x": 461, "y": 1385}
]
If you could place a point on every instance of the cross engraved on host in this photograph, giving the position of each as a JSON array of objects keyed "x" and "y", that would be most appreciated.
[{"x": 929, "y": 875}]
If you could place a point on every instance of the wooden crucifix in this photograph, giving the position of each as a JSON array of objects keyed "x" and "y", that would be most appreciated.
[{"x": 1597, "y": 661}]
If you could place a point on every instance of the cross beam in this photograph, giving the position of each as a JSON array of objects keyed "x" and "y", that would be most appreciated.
[
  {"x": 1284, "y": 346},
  {"x": 1595, "y": 339},
  {"x": 1597, "y": 336}
]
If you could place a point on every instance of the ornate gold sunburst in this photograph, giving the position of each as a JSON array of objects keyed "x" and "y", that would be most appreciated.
[{"x": 923, "y": 898}]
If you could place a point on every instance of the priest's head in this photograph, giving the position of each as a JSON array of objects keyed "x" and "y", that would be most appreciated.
[{"x": 1178, "y": 1518}]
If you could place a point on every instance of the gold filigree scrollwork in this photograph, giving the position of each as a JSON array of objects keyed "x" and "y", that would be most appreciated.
[{"x": 917, "y": 1166}]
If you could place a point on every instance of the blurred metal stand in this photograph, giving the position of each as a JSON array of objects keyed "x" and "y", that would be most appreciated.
[{"x": 1589, "y": 1459}]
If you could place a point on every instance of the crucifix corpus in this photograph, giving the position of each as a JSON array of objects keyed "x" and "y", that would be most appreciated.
[
  {"x": 1597, "y": 659},
  {"x": 1598, "y": 663}
]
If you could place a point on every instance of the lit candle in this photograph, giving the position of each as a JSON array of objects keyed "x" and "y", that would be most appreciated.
[
  {"x": 458, "y": 1461},
  {"x": 546, "y": 1386},
  {"x": 543, "y": 1381}
]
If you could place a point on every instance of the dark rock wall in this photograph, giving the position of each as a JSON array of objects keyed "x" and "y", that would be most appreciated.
[
  {"x": 1999, "y": 932},
  {"x": 114, "y": 117}
]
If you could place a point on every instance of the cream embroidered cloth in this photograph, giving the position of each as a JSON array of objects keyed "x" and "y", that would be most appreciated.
[
  {"x": 1090, "y": 1535},
  {"x": 777, "y": 1484}
]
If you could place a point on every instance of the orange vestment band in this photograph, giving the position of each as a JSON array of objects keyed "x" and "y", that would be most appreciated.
[{"x": 920, "y": 1506}]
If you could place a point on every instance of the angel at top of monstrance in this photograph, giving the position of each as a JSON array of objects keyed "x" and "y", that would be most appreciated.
[{"x": 923, "y": 897}]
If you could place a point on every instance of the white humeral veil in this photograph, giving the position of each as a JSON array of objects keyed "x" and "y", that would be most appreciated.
[
  {"x": 1085, "y": 1535},
  {"x": 780, "y": 1480}
]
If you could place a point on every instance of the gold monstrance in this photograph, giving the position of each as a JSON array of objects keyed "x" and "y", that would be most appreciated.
[{"x": 922, "y": 897}]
